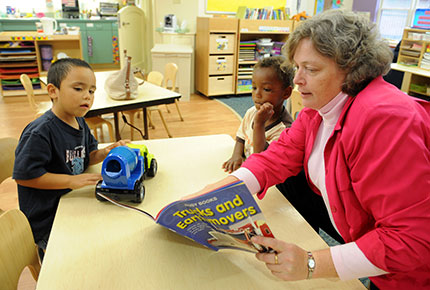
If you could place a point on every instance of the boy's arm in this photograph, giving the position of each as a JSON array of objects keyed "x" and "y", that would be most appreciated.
[
  {"x": 99, "y": 155},
  {"x": 61, "y": 181},
  {"x": 259, "y": 133},
  {"x": 236, "y": 158}
]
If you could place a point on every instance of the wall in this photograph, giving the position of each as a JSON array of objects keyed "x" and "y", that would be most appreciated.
[{"x": 367, "y": 6}]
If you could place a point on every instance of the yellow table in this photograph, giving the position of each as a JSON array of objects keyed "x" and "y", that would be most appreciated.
[{"x": 98, "y": 245}]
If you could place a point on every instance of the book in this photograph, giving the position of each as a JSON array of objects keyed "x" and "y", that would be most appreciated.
[{"x": 225, "y": 218}]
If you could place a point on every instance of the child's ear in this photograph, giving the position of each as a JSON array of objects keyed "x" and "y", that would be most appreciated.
[
  {"x": 52, "y": 91},
  {"x": 287, "y": 92}
]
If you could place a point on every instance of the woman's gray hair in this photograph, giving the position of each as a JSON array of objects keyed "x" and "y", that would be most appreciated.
[{"x": 351, "y": 40}]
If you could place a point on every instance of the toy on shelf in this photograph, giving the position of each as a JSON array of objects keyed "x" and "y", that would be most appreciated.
[
  {"x": 300, "y": 16},
  {"x": 123, "y": 172}
]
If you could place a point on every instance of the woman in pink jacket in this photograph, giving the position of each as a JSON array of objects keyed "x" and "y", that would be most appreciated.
[{"x": 364, "y": 147}]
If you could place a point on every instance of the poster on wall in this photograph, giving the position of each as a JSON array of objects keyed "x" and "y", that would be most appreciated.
[
  {"x": 319, "y": 5},
  {"x": 231, "y": 6}
]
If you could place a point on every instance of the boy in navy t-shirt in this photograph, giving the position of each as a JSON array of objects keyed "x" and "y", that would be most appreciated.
[{"x": 56, "y": 148}]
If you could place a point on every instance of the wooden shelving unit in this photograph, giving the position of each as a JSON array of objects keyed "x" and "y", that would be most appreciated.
[
  {"x": 216, "y": 42},
  {"x": 219, "y": 68},
  {"x": 253, "y": 30},
  {"x": 415, "y": 43},
  {"x": 20, "y": 53}
]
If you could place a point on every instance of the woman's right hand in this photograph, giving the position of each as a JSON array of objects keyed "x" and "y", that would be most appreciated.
[{"x": 232, "y": 164}]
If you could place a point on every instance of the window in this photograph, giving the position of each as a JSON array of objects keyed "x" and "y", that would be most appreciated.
[{"x": 395, "y": 15}]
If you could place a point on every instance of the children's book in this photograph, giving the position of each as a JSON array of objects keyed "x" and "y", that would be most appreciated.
[{"x": 225, "y": 218}]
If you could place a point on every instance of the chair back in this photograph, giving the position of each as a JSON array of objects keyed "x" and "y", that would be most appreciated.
[
  {"x": 26, "y": 82},
  {"x": 7, "y": 157},
  {"x": 156, "y": 78},
  {"x": 296, "y": 104},
  {"x": 17, "y": 249},
  {"x": 170, "y": 71}
]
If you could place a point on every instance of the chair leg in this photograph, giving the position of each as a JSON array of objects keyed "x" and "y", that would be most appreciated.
[
  {"x": 167, "y": 108},
  {"x": 151, "y": 124},
  {"x": 96, "y": 134},
  {"x": 164, "y": 123},
  {"x": 179, "y": 111},
  {"x": 131, "y": 129},
  {"x": 111, "y": 134},
  {"x": 102, "y": 137}
]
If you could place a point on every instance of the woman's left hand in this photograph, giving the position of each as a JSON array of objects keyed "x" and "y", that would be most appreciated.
[{"x": 288, "y": 262}]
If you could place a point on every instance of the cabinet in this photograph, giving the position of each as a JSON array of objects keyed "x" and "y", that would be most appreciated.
[
  {"x": 99, "y": 38},
  {"x": 216, "y": 47},
  {"x": 250, "y": 49},
  {"x": 415, "y": 48},
  {"x": 180, "y": 55},
  {"x": 21, "y": 53},
  {"x": 226, "y": 51}
]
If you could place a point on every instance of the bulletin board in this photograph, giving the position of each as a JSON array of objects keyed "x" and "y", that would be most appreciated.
[{"x": 230, "y": 6}]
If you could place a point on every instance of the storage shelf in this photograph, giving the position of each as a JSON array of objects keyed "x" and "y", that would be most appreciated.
[{"x": 30, "y": 62}]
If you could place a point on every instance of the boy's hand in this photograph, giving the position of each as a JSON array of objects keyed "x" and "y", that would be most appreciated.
[
  {"x": 116, "y": 144},
  {"x": 232, "y": 164},
  {"x": 264, "y": 113},
  {"x": 84, "y": 179}
]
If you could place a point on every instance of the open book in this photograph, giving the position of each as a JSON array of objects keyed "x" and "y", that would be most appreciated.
[{"x": 223, "y": 218}]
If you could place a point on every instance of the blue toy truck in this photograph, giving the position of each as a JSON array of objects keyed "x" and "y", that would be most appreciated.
[{"x": 123, "y": 172}]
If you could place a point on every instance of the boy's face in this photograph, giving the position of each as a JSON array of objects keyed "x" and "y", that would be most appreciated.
[
  {"x": 75, "y": 96},
  {"x": 267, "y": 87}
]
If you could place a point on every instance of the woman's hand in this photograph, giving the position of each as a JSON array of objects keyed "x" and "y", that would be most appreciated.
[{"x": 290, "y": 263}]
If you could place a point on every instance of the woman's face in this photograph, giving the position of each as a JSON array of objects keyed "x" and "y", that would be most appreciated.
[{"x": 319, "y": 79}]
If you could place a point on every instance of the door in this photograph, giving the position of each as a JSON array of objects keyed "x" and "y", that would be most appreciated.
[{"x": 131, "y": 30}]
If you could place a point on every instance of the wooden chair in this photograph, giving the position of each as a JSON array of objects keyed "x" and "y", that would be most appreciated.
[
  {"x": 8, "y": 189},
  {"x": 170, "y": 72},
  {"x": 38, "y": 108},
  {"x": 95, "y": 123},
  {"x": 155, "y": 78},
  {"x": 7, "y": 157},
  {"x": 17, "y": 249},
  {"x": 296, "y": 104}
]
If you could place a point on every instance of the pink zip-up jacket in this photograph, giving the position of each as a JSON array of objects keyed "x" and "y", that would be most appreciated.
[{"x": 377, "y": 164}]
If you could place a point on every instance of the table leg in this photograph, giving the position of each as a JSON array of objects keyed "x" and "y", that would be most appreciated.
[
  {"x": 116, "y": 125},
  {"x": 145, "y": 123}
]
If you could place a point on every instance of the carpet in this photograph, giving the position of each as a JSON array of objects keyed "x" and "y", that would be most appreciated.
[{"x": 238, "y": 104}]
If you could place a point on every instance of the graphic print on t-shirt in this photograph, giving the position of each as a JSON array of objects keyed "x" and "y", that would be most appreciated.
[{"x": 76, "y": 158}]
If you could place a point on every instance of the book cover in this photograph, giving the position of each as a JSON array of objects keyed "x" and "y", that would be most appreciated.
[{"x": 225, "y": 218}]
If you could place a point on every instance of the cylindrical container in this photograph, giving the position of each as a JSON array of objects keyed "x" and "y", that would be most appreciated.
[
  {"x": 120, "y": 154},
  {"x": 45, "y": 52}
]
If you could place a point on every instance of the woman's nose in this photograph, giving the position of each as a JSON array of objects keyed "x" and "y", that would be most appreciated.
[{"x": 298, "y": 79}]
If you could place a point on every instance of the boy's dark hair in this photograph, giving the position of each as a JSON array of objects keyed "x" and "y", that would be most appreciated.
[
  {"x": 284, "y": 71},
  {"x": 59, "y": 69}
]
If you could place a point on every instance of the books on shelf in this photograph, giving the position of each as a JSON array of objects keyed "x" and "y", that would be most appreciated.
[{"x": 266, "y": 13}]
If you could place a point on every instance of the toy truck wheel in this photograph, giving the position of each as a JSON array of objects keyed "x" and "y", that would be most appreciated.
[
  {"x": 140, "y": 192},
  {"x": 153, "y": 168},
  {"x": 98, "y": 197}
]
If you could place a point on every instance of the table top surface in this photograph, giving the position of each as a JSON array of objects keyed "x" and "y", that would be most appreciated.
[{"x": 98, "y": 245}]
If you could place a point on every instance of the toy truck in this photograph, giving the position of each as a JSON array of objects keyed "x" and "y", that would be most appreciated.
[{"x": 123, "y": 172}]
